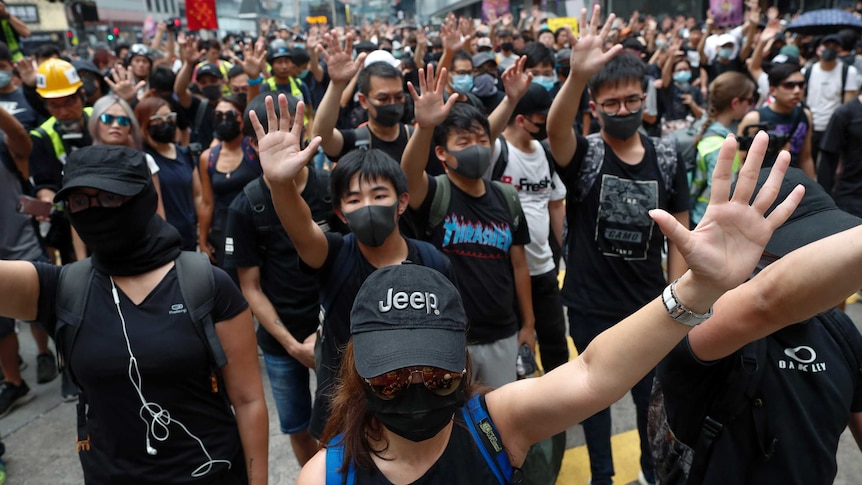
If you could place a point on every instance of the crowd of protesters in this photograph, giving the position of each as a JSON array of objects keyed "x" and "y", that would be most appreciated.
[{"x": 499, "y": 153}]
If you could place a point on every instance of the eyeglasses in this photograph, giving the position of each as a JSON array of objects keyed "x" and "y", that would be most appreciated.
[
  {"x": 396, "y": 99},
  {"x": 230, "y": 114},
  {"x": 791, "y": 85},
  {"x": 439, "y": 381},
  {"x": 108, "y": 119},
  {"x": 165, "y": 118},
  {"x": 633, "y": 104},
  {"x": 80, "y": 201}
]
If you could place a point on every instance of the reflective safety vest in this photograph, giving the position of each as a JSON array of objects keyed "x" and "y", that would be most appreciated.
[
  {"x": 47, "y": 129},
  {"x": 295, "y": 91},
  {"x": 12, "y": 41}
]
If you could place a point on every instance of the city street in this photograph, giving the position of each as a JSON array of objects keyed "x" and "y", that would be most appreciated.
[{"x": 40, "y": 438}]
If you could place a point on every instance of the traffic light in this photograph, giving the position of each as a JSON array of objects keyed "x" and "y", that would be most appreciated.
[
  {"x": 113, "y": 34},
  {"x": 70, "y": 34}
]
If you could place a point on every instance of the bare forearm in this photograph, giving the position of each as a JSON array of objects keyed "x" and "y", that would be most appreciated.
[
  {"x": 413, "y": 162},
  {"x": 181, "y": 84},
  {"x": 19, "y": 26},
  {"x": 523, "y": 289},
  {"x": 561, "y": 118},
  {"x": 557, "y": 211},
  {"x": 327, "y": 116},
  {"x": 266, "y": 314},
  {"x": 253, "y": 423},
  {"x": 499, "y": 118}
]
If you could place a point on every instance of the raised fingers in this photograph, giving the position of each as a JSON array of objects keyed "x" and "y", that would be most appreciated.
[
  {"x": 721, "y": 174},
  {"x": 298, "y": 117},
  {"x": 271, "y": 120},
  {"x": 747, "y": 179},
  {"x": 255, "y": 123}
]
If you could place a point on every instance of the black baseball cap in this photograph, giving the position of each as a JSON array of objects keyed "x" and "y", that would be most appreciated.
[
  {"x": 407, "y": 315},
  {"x": 537, "y": 100},
  {"x": 117, "y": 169},
  {"x": 209, "y": 69},
  {"x": 815, "y": 218}
]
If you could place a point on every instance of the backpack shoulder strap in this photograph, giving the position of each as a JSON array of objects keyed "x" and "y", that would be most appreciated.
[
  {"x": 254, "y": 192},
  {"x": 340, "y": 270},
  {"x": 513, "y": 201},
  {"x": 502, "y": 160},
  {"x": 667, "y": 157},
  {"x": 740, "y": 388},
  {"x": 200, "y": 113},
  {"x": 334, "y": 460},
  {"x": 845, "y": 68},
  {"x": 212, "y": 160},
  {"x": 831, "y": 320},
  {"x": 197, "y": 285},
  {"x": 487, "y": 438},
  {"x": 362, "y": 136},
  {"x": 440, "y": 203}
]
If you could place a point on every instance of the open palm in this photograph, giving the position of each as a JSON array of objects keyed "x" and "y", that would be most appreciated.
[
  {"x": 342, "y": 67},
  {"x": 724, "y": 248},
  {"x": 279, "y": 145},
  {"x": 588, "y": 48},
  {"x": 429, "y": 108}
]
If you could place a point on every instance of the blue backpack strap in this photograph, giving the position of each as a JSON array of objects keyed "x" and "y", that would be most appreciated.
[
  {"x": 340, "y": 271},
  {"x": 334, "y": 459},
  {"x": 487, "y": 439},
  {"x": 212, "y": 160}
]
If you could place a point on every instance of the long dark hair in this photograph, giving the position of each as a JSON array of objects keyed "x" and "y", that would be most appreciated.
[{"x": 350, "y": 414}]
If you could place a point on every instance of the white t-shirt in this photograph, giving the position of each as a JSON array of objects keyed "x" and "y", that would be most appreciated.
[
  {"x": 824, "y": 92},
  {"x": 530, "y": 174}
]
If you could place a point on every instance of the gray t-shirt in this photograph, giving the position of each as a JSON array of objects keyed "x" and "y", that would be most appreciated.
[{"x": 18, "y": 238}]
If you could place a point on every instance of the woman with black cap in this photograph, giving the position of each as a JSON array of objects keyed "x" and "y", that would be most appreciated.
[
  {"x": 156, "y": 394},
  {"x": 405, "y": 411}
]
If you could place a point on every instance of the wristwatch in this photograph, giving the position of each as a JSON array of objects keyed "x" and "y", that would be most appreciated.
[{"x": 678, "y": 311}]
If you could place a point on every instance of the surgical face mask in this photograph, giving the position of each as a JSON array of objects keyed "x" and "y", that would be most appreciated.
[
  {"x": 828, "y": 54},
  {"x": 299, "y": 45},
  {"x": 163, "y": 132},
  {"x": 473, "y": 161},
  {"x": 389, "y": 115},
  {"x": 227, "y": 130},
  {"x": 682, "y": 76},
  {"x": 725, "y": 53},
  {"x": 622, "y": 127},
  {"x": 416, "y": 414},
  {"x": 304, "y": 73},
  {"x": 546, "y": 82},
  {"x": 462, "y": 83},
  {"x": 372, "y": 224},
  {"x": 211, "y": 92},
  {"x": 5, "y": 78}
]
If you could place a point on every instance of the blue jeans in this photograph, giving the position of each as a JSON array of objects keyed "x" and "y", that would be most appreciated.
[
  {"x": 597, "y": 428},
  {"x": 288, "y": 380}
]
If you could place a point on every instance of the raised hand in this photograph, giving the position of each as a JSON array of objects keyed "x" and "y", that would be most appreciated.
[
  {"x": 121, "y": 82},
  {"x": 342, "y": 66},
  {"x": 451, "y": 38},
  {"x": 724, "y": 248},
  {"x": 587, "y": 49},
  {"x": 772, "y": 28},
  {"x": 190, "y": 50},
  {"x": 429, "y": 108},
  {"x": 27, "y": 71},
  {"x": 279, "y": 145},
  {"x": 253, "y": 58},
  {"x": 516, "y": 82}
]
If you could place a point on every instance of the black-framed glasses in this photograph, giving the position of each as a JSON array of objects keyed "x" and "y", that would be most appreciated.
[
  {"x": 439, "y": 381},
  {"x": 165, "y": 118},
  {"x": 109, "y": 119},
  {"x": 230, "y": 114},
  {"x": 632, "y": 103},
  {"x": 791, "y": 85},
  {"x": 78, "y": 201}
]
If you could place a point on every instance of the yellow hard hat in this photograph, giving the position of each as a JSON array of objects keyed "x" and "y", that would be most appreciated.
[{"x": 56, "y": 78}]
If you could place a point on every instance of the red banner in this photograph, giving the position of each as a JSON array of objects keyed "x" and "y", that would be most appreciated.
[{"x": 201, "y": 15}]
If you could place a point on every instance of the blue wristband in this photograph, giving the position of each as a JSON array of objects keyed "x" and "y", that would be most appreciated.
[{"x": 255, "y": 82}]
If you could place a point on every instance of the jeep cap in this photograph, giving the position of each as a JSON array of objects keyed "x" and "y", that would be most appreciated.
[{"x": 407, "y": 315}]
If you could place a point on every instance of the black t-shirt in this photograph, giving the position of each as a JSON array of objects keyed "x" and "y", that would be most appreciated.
[
  {"x": 174, "y": 374},
  {"x": 202, "y": 134},
  {"x": 808, "y": 390},
  {"x": 715, "y": 68},
  {"x": 792, "y": 126},
  {"x": 294, "y": 293},
  {"x": 336, "y": 327},
  {"x": 614, "y": 259},
  {"x": 670, "y": 101},
  {"x": 844, "y": 131},
  {"x": 46, "y": 169},
  {"x": 477, "y": 235},
  {"x": 175, "y": 179},
  {"x": 227, "y": 185},
  {"x": 16, "y": 104}
]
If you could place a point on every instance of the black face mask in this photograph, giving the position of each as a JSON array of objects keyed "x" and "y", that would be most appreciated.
[
  {"x": 542, "y": 133},
  {"x": 828, "y": 54},
  {"x": 473, "y": 161},
  {"x": 163, "y": 132},
  {"x": 227, "y": 130},
  {"x": 113, "y": 232},
  {"x": 507, "y": 46},
  {"x": 416, "y": 414},
  {"x": 90, "y": 86},
  {"x": 389, "y": 115},
  {"x": 372, "y": 224},
  {"x": 564, "y": 71},
  {"x": 211, "y": 92}
]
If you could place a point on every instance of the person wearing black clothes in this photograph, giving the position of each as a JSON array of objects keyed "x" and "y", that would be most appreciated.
[
  {"x": 369, "y": 193},
  {"x": 283, "y": 298},
  {"x": 13, "y": 99},
  {"x": 198, "y": 111},
  {"x": 838, "y": 146},
  {"x": 145, "y": 371}
]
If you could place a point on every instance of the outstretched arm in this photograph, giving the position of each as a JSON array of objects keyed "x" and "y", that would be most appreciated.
[
  {"x": 281, "y": 160},
  {"x": 430, "y": 111},
  {"x": 721, "y": 252},
  {"x": 588, "y": 56},
  {"x": 516, "y": 82}
]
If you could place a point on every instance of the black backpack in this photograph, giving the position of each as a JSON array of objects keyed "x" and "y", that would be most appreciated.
[
  {"x": 197, "y": 286},
  {"x": 681, "y": 456}
]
